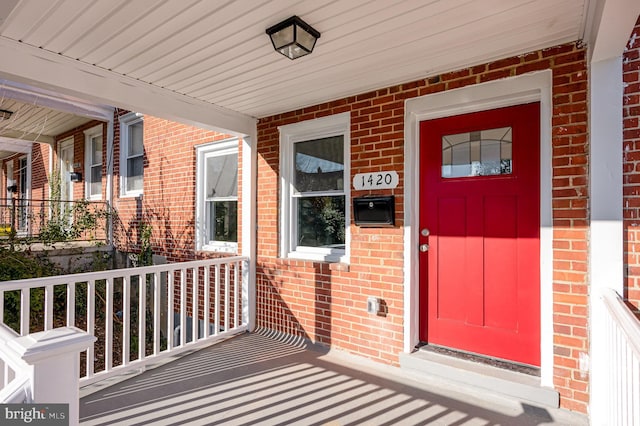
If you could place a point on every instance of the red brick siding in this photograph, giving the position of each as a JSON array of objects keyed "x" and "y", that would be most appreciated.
[
  {"x": 168, "y": 200},
  {"x": 79, "y": 191},
  {"x": 40, "y": 154},
  {"x": 327, "y": 303},
  {"x": 631, "y": 167}
]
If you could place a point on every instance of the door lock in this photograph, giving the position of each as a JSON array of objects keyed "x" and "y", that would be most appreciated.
[
  {"x": 424, "y": 247},
  {"x": 424, "y": 232}
]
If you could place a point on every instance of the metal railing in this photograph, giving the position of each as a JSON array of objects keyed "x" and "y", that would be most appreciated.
[
  {"x": 53, "y": 220},
  {"x": 138, "y": 315},
  {"x": 623, "y": 375}
]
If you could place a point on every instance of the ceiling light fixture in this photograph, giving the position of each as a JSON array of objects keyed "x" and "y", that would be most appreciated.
[
  {"x": 5, "y": 114},
  {"x": 293, "y": 37}
]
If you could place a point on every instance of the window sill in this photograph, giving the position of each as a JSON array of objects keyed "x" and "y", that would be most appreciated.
[
  {"x": 131, "y": 195},
  {"x": 222, "y": 248},
  {"x": 319, "y": 257}
]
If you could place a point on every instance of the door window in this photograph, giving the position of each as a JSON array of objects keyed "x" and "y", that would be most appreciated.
[{"x": 477, "y": 153}]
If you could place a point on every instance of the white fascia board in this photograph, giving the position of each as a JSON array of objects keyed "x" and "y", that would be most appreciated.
[
  {"x": 15, "y": 145},
  {"x": 52, "y": 100},
  {"x": 609, "y": 25},
  {"x": 43, "y": 69}
]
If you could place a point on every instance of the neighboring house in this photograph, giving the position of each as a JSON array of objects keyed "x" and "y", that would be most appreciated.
[
  {"x": 179, "y": 180},
  {"x": 153, "y": 163},
  {"x": 462, "y": 209}
]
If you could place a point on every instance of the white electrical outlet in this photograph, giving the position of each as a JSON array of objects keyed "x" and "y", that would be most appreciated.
[{"x": 373, "y": 305}]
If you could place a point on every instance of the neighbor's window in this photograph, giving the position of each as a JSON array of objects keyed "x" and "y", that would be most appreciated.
[
  {"x": 93, "y": 161},
  {"x": 217, "y": 196},
  {"x": 314, "y": 170},
  {"x": 131, "y": 154}
]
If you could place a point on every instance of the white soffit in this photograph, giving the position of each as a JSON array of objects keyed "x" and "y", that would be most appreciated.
[{"x": 211, "y": 61}]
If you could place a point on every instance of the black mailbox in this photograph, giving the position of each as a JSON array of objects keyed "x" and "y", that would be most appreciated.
[
  {"x": 75, "y": 176},
  {"x": 374, "y": 211}
]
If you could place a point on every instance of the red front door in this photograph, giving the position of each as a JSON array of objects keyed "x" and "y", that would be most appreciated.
[{"x": 480, "y": 217}]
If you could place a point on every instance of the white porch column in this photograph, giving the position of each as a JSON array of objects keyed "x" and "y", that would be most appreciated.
[
  {"x": 606, "y": 254},
  {"x": 53, "y": 360},
  {"x": 609, "y": 25},
  {"x": 249, "y": 226}
]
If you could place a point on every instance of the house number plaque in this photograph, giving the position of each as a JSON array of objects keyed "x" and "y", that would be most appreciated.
[{"x": 376, "y": 180}]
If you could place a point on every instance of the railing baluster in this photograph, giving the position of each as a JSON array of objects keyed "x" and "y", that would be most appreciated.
[
  {"x": 156, "y": 313},
  {"x": 227, "y": 294},
  {"x": 183, "y": 307},
  {"x": 91, "y": 324},
  {"x": 71, "y": 304},
  {"x": 207, "y": 301},
  {"x": 245, "y": 292},
  {"x": 195, "y": 282},
  {"x": 108, "y": 354},
  {"x": 236, "y": 267},
  {"x": 217, "y": 302},
  {"x": 48, "y": 307},
  {"x": 142, "y": 316},
  {"x": 170, "y": 302},
  {"x": 635, "y": 388},
  {"x": 25, "y": 311},
  {"x": 126, "y": 318},
  {"x": 1, "y": 306}
]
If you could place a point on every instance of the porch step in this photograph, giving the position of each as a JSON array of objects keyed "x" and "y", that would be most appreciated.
[{"x": 481, "y": 376}]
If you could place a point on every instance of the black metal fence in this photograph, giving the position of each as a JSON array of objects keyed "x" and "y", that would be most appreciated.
[{"x": 51, "y": 221}]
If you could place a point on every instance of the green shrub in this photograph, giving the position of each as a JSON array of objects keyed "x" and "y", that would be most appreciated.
[{"x": 18, "y": 265}]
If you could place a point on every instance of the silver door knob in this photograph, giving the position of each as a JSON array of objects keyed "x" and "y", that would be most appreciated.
[
  {"x": 424, "y": 247},
  {"x": 424, "y": 232}
]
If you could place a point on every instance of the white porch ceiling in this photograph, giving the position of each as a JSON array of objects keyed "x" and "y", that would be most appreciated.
[{"x": 216, "y": 52}]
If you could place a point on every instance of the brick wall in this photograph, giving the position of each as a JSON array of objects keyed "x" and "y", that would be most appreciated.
[
  {"x": 40, "y": 154},
  {"x": 168, "y": 200},
  {"x": 327, "y": 302},
  {"x": 631, "y": 167},
  {"x": 79, "y": 191}
]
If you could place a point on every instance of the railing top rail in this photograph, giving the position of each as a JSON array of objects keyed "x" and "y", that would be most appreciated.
[
  {"x": 114, "y": 273},
  {"x": 49, "y": 200},
  {"x": 6, "y": 333},
  {"x": 626, "y": 320}
]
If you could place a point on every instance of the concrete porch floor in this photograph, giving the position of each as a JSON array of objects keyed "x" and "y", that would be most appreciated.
[{"x": 262, "y": 379}]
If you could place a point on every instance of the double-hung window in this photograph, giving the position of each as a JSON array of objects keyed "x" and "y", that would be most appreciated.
[
  {"x": 217, "y": 196},
  {"x": 93, "y": 162},
  {"x": 131, "y": 154},
  {"x": 315, "y": 188}
]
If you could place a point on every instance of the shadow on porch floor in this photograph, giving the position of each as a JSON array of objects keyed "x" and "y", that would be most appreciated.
[{"x": 260, "y": 379}]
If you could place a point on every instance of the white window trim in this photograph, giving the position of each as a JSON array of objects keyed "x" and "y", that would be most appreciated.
[
  {"x": 89, "y": 134},
  {"x": 229, "y": 146},
  {"x": 8, "y": 177},
  {"x": 26, "y": 157},
  {"x": 335, "y": 125},
  {"x": 126, "y": 121}
]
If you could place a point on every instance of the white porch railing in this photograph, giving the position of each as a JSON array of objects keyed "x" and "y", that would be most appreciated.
[
  {"x": 623, "y": 378},
  {"x": 138, "y": 315},
  {"x": 15, "y": 377}
]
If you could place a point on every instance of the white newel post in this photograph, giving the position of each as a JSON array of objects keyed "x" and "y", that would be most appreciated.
[{"x": 53, "y": 358}]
